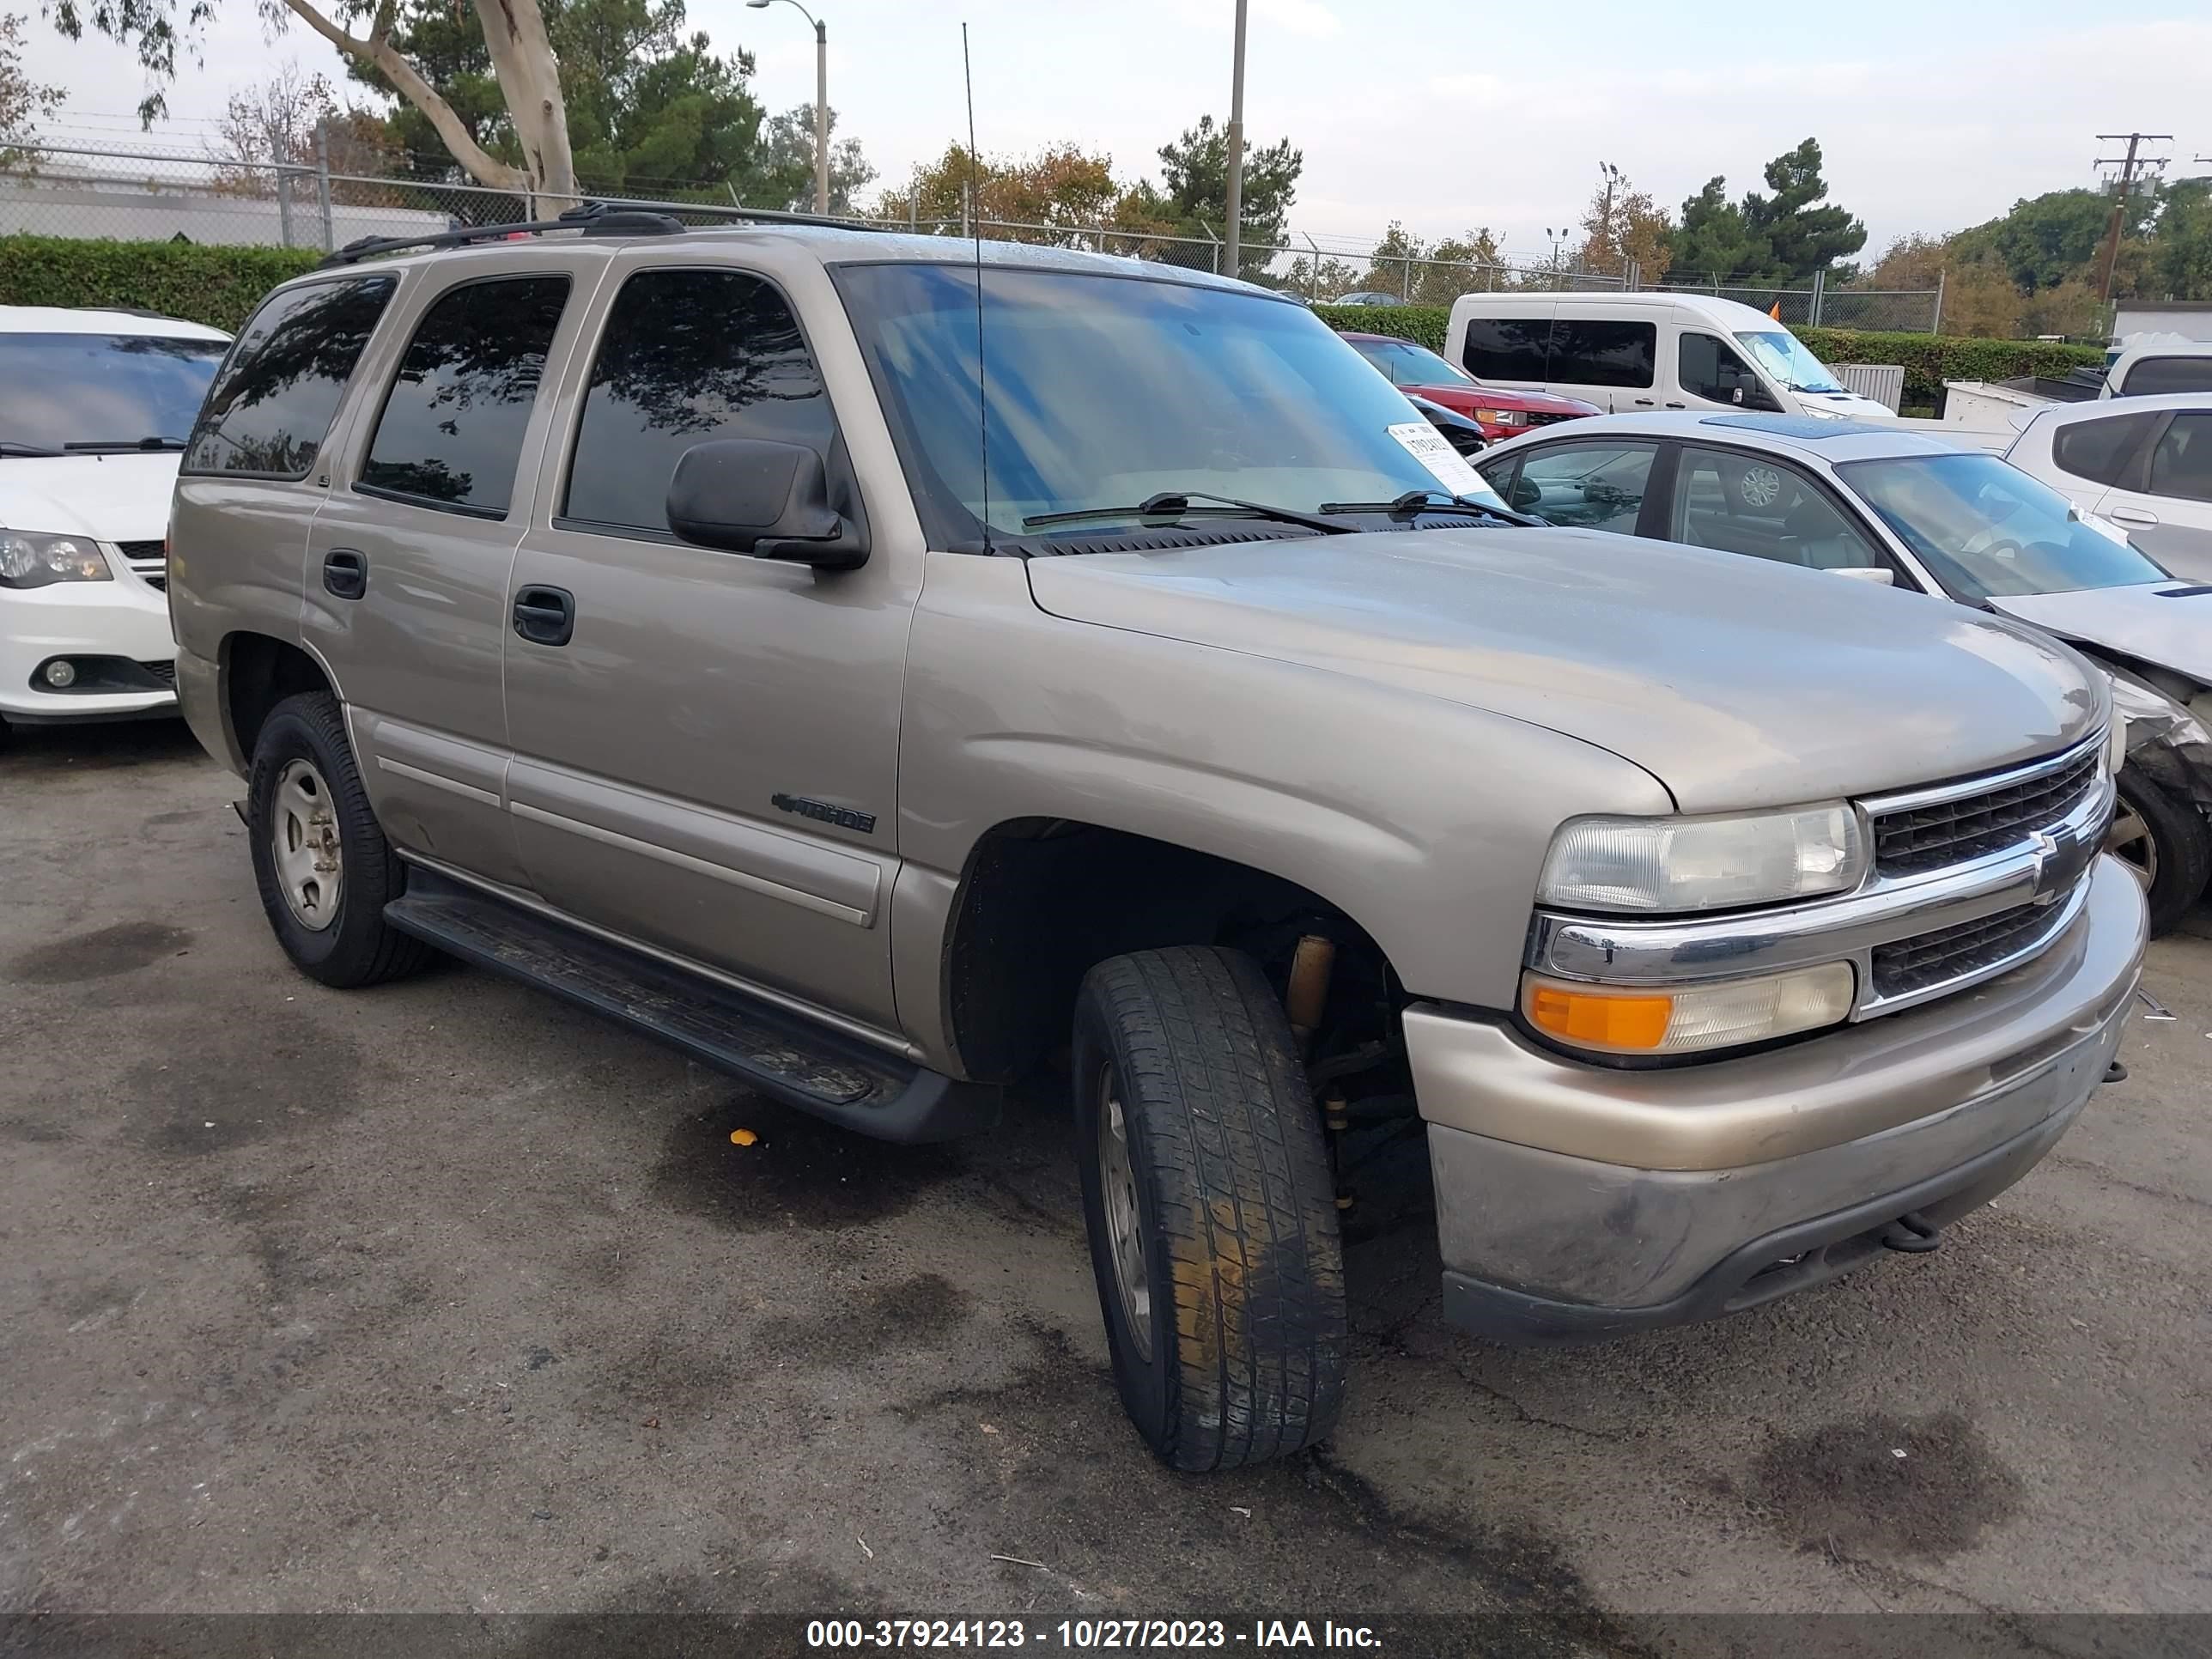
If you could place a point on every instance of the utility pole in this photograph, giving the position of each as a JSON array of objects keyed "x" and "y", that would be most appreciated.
[
  {"x": 2128, "y": 164},
  {"x": 1235, "y": 135}
]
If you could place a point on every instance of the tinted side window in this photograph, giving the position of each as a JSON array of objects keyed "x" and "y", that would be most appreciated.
[
  {"x": 2155, "y": 374},
  {"x": 1602, "y": 354},
  {"x": 1710, "y": 368},
  {"x": 687, "y": 355},
  {"x": 269, "y": 411},
  {"x": 1505, "y": 348},
  {"x": 451, "y": 432},
  {"x": 2100, "y": 450},
  {"x": 1590, "y": 486},
  {"x": 2182, "y": 464}
]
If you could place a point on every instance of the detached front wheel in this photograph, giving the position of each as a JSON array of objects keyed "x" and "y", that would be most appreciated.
[{"x": 1210, "y": 1209}]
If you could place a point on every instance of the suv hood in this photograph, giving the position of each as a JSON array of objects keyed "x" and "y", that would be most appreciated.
[
  {"x": 1736, "y": 682},
  {"x": 2167, "y": 625},
  {"x": 110, "y": 498}
]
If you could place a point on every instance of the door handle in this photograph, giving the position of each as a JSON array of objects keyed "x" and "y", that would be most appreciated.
[
  {"x": 1644, "y": 403},
  {"x": 2132, "y": 515},
  {"x": 345, "y": 572},
  {"x": 1677, "y": 405},
  {"x": 545, "y": 616}
]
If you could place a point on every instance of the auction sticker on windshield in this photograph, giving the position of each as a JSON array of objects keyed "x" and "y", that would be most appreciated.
[{"x": 1446, "y": 465}]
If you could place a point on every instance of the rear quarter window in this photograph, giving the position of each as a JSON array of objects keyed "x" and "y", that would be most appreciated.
[
  {"x": 269, "y": 408},
  {"x": 2101, "y": 451}
]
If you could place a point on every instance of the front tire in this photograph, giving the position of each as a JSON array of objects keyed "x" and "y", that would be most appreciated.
[
  {"x": 1210, "y": 1209},
  {"x": 2165, "y": 846},
  {"x": 321, "y": 862}
]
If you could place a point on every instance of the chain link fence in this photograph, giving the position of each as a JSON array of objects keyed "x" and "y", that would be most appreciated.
[{"x": 153, "y": 195}]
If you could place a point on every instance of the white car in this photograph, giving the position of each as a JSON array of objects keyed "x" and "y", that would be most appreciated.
[
  {"x": 2143, "y": 462},
  {"x": 95, "y": 409}
]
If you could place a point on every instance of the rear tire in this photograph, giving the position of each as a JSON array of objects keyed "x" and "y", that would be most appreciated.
[
  {"x": 1211, "y": 1208},
  {"x": 322, "y": 864},
  {"x": 2165, "y": 844}
]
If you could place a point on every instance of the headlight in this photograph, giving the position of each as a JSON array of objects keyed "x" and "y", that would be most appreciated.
[
  {"x": 1501, "y": 416},
  {"x": 29, "y": 560},
  {"x": 1727, "y": 1014},
  {"x": 1668, "y": 865}
]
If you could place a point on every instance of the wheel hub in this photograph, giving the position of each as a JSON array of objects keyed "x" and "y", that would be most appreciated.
[
  {"x": 2130, "y": 841},
  {"x": 1117, "y": 1184},
  {"x": 303, "y": 832}
]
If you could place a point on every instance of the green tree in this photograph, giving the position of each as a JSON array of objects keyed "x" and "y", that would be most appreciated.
[
  {"x": 2180, "y": 252},
  {"x": 23, "y": 101},
  {"x": 1432, "y": 273},
  {"x": 651, "y": 108},
  {"x": 1194, "y": 190},
  {"x": 786, "y": 168},
  {"x": 1712, "y": 243},
  {"x": 513, "y": 35},
  {"x": 1802, "y": 234},
  {"x": 2047, "y": 239}
]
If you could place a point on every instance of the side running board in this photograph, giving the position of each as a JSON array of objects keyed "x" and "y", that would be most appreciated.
[{"x": 782, "y": 1054}]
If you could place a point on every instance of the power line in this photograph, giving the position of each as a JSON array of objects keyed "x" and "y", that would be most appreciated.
[{"x": 2127, "y": 165}]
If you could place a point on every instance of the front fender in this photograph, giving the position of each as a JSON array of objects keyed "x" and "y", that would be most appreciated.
[{"x": 1425, "y": 821}]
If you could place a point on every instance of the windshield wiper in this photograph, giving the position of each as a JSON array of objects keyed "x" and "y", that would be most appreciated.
[
  {"x": 128, "y": 443},
  {"x": 1427, "y": 500},
  {"x": 27, "y": 451},
  {"x": 1174, "y": 503}
]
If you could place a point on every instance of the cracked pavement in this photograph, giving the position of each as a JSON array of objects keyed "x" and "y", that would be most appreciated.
[{"x": 445, "y": 1296}]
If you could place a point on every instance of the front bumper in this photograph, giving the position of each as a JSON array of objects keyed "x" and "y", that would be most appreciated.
[
  {"x": 124, "y": 617},
  {"x": 1576, "y": 1201}
]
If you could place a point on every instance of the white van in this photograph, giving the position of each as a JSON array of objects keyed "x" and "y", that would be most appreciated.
[{"x": 1626, "y": 352}]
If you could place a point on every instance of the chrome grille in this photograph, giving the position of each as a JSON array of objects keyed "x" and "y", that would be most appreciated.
[
  {"x": 1545, "y": 417},
  {"x": 1922, "y": 961},
  {"x": 1969, "y": 826}
]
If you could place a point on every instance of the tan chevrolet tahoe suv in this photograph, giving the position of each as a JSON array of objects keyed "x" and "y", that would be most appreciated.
[{"x": 752, "y": 635}]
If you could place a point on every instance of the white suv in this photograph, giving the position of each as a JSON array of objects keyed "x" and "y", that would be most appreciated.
[{"x": 94, "y": 406}]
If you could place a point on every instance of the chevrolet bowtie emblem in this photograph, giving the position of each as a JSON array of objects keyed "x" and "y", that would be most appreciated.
[{"x": 2043, "y": 848}]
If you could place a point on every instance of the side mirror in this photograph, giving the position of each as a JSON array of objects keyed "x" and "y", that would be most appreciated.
[
  {"x": 1881, "y": 576},
  {"x": 1526, "y": 495},
  {"x": 769, "y": 499}
]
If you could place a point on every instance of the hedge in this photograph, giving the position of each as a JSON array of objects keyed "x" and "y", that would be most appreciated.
[
  {"x": 1928, "y": 360},
  {"x": 199, "y": 282},
  {"x": 221, "y": 286}
]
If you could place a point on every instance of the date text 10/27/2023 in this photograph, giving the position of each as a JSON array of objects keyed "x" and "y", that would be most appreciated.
[{"x": 1089, "y": 1635}]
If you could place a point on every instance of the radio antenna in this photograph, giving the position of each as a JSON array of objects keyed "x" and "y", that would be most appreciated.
[{"x": 976, "y": 224}]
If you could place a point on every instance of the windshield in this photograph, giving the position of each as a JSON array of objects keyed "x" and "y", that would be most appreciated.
[
  {"x": 1784, "y": 355},
  {"x": 57, "y": 390},
  {"x": 1411, "y": 365},
  {"x": 1104, "y": 391},
  {"x": 1987, "y": 530}
]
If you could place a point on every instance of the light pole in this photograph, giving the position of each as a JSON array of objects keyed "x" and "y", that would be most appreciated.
[
  {"x": 821, "y": 98},
  {"x": 1236, "y": 146}
]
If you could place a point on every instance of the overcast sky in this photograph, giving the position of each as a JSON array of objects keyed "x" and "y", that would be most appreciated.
[{"x": 1445, "y": 115}]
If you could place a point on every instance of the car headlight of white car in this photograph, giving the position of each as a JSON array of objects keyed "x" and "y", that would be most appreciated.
[{"x": 28, "y": 559}]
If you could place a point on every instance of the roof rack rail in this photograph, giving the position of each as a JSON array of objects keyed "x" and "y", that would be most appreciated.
[{"x": 614, "y": 217}]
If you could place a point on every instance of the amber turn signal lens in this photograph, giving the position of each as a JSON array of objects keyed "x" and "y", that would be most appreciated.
[{"x": 1599, "y": 1020}]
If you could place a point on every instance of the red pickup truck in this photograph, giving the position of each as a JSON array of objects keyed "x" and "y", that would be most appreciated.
[{"x": 1499, "y": 413}]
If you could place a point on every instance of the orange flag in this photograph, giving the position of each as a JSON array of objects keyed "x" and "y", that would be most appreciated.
[{"x": 1775, "y": 311}]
